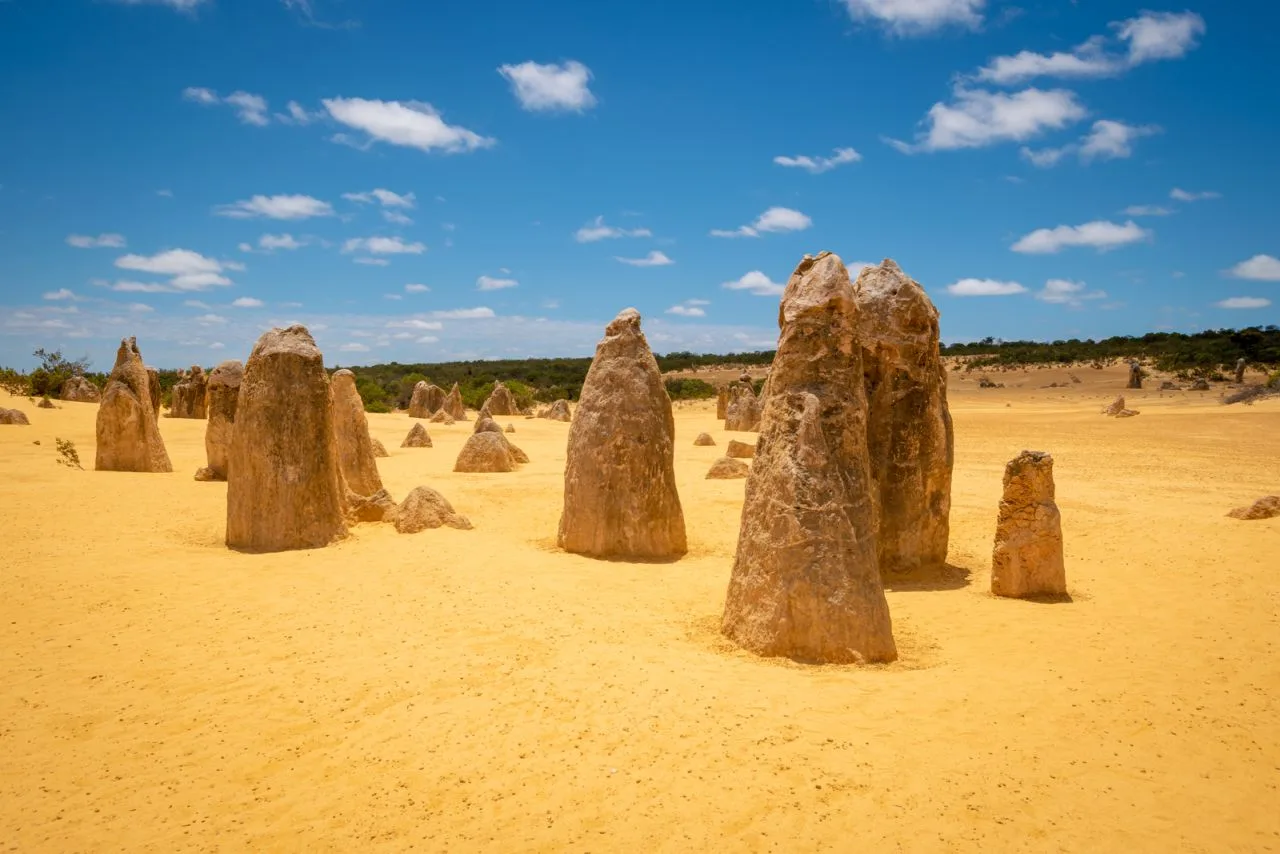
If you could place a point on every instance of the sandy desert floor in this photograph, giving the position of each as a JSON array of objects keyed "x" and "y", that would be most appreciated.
[{"x": 479, "y": 690}]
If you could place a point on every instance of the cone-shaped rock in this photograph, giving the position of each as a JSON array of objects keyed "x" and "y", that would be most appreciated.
[
  {"x": 501, "y": 402},
  {"x": 417, "y": 438},
  {"x": 80, "y": 390},
  {"x": 128, "y": 433},
  {"x": 806, "y": 582},
  {"x": 620, "y": 496},
  {"x": 910, "y": 439},
  {"x": 284, "y": 482},
  {"x": 425, "y": 508},
  {"x": 190, "y": 395},
  {"x": 557, "y": 411},
  {"x": 743, "y": 410},
  {"x": 224, "y": 395},
  {"x": 440, "y": 416},
  {"x": 453, "y": 404},
  {"x": 485, "y": 452},
  {"x": 379, "y": 449},
  {"x": 351, "y": 430},
  {"x": 727, "y": 468},
  {"x": 13, "y": 416},
  {"x": 426, "y": 401},
  {"x": 1027, "y": 558},
  {"x": 485, "y": 424},
  {"x": 704, "y": 440}
]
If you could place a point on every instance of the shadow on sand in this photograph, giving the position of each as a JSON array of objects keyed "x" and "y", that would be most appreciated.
[{"x": 946, "y": 577}]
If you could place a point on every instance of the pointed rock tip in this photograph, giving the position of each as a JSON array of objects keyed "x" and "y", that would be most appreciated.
[
  {"x": 818, "y": 280},
  {"x": 628, "y": 318}
]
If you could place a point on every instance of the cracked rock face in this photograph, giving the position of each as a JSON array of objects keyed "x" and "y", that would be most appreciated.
[
  {"x": 190, "y": 395},
  {"x": 356, "y": 454},
  {"x": 501, "y": 402},
  {"x": 806, "y": 578},
  {"x": 128, "y": 432},
  {"x": 742, "y": 412},
  {"x": 426, "y": 400},
  {"x": 620, "y": 497},
  {"x": 224, "y": 394},
  {"x": 1027, "y": 558}
]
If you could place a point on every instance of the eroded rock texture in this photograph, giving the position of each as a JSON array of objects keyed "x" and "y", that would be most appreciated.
[
  {"x": 80, "y": 390},
  {"x": 356, "y": 456},
  {"x": 806, "y": 579},
  {"x": 224, "y": 395},
  {"x": 557, "y": 411},
  {"x": 190, "y": 395},
  {"x": 13, "y": 416},
  {"x": 284, "y": 481},
  {"x": 620, "y": 496},
  {"x": 742, "y": 412},
  {"x": 426, "y": 401},
  {"x": 127, "y": 430},
  {"x": 417, "y": 438},
  {"x": 425, "y": 508},
  {"x": 1135, "y": 375},
  {"x": 722, "y": 401},
  {"x": 704, "y": 440},
  {"x": 485, "y": 452},
  {"x": 153, "y": 389},
  {"x": 1263, "y": 508},
  {"x": 727, "y": 468},
  {"x": 910, "y": 439},
  {"x": 501, "y": 402},
  {"x": 1027, "y": 558},
  {"x": 453, "y": 404}
]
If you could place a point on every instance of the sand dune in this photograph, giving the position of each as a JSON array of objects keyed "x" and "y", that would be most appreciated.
[{"x": 467, "y": 690}]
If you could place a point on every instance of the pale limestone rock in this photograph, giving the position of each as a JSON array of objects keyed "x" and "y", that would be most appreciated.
[
  {"x": 1027, "y": 558},
  {"x": 485, "y": 424},
  {"x": 557, "y": 411},
  {"x": 127, "y": 430},
  {"x": 453, "y": 404},
  {"x": 378, "y": 507},
  {"x": 190, "y": 395},
  {"x": 351, "y": 431},
  {"x": 379, "y": 449},
  {"x": 440, "y": 416},
  {"x": 485, "y": 452},
  {"x": 425, "y": 508},
  {"x": 426, "y": 401},
  {"x": 13, "y": 416},
  {"x": 1263, "y": 508},
  {"x": 743, "y": 409},
  {"x": 224, "y": 396},
  {"x": 80, "y": 390},
  {"x": 722, "y": 401},
  {"x": 740, "y": 450},
  {"x": 1135, "y": 375},
  {"x": 501, "y": 402},
  {"x": 417, "y": 438}
]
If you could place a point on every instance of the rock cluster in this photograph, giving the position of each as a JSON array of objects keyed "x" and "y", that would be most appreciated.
[
  {"x": 224, "y": 395},
  {"x": 426, "y": 400},
  {"x": 806, "y": 579},
  {"x": 742, "y": 412},
  {"x": 620, "y": 496},
  {"x": 727, "y": 468},
  {"x": 284, "y": 481},
  {"x": 1263, "y": 508},
  {"x": 80, "y": 390},
  {"x": 1117, "y": 409},
  {"x": 13, "y": 416},
  {"x": 351, "y": 432},
  {"x": 190, "y": 395},
  {"x": 127, "y": 430},
  {"x": 910, "y": 438},
  {"x": 417, "y": 438},
  {"x": 1027, "y": 558},
  {"x": 557, "y": 411},
  {"x": 501, "y": 402}
]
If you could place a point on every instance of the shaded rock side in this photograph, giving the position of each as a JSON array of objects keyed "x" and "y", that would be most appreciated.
[
  {"x": 224, "y": 396},
  {"x": 80, "y": 390},
  {"x": 1027, "y": 557},
  {"x": 1263, "y": 508},
  {"x": 722, "y": 401},
  {"x": 356, "y": 457},
  {"x": 620, "y": 497},
  {"x": 485, "y": 452},
  {"x": 727, "y": 468},
  {"x": 425, "y": 508},
  {"x": 501, "y": 402},
  {"x": 806, "y": 579},
  {"x": 14, "y": 417},
  {"x": 557, "y": 411},
  {"x": 153, "y": 389},
  {"x": 189, "y": 397},
  {"x": 379, "y": 449},
  {"x": 742, "y": 412},
  {"x": 453, "y": 404},
  {"x": 377, "y": 507},
  {"x": 740, "y": 450},
  {"x": 704, "y": 440},
  {"x": 284, "y": 482},
  {"x": 128, "y": 433},
  {"x": 426, "y": 400},
  {"x": 416, "y": 438},
  {"x": 910, "y": 438}
]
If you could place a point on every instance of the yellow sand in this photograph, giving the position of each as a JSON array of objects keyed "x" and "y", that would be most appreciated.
[{"x": 478, "y": 690}]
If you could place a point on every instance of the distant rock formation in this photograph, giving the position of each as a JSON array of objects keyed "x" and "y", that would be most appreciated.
[
  {"x": 727, "y": 468},
  {"x": 1263, "y": 508},
  {"x": 127, "y": 430},
  {"x": 284, "y": 481},
  {"x": 704, "y": 440},
  {"x": 1135, "y": 375},
  {"x": 511, "y": 428},
  {"x": 351, "y": 431},
  {"x": 910, "y": 438},
  {"x": 743, "y": 410},
  {"x": 501, "y": 402},
  {"x": 1200, "y": 384},
  {"x": 379, "y": 449},
  {"x": 425, "y": 508},
  {"x": 806, "y": 578},
  {"x": 153, "y": 389},
  {"x": 620, "y": 497},
  {"x": 722, "y": 401},
  {"x": 190, "y": 395},
  {"x": 1027, "y": 558},
  {"x": 417, "y": 438},
  {"x": 453, "y": 404},
  {"x": 1240, "y": 366},
  {"x": 1116, "y": 409},
  {"x": 426, "y": 400},
  {"x": 557, "y": 411},
  {"x": 485, "y": 424},
  {"x": 485, "y": 452},
  {"x": 46, "y": 403},
  {"x": 224, "y": 396},
  {"x": 440, "y": 416},
  {"x": 740, "y": 450},
  {"x": 80, "y": 390},
  {"x": 13, "y": 416}
]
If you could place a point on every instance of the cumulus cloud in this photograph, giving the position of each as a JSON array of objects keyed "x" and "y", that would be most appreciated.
[
  {"x": 984, "y": 288},
  {"x": 298, "y": 115},
  {"x": 247, "y": 302},
  {"x": 1160, "y": 35},
  {"x": 818, "y": 165},
  {"x": 976, "y": 118},
  {"x": 1108, "y": 140},
  {"x": 488, "y": 283},
  {"x": 773, "y": 220},
  {"x": 551, "y": 87},
  {"x": 211, "y": 320},
  {"x": 1100, "y": 235},
  {"x": 1180, "y": 195},
  {"x": 276, "y": 207},
  {"x": 917, "y": 17},
  {"x": 396, "y": 218},
  {"x": 1244, "y": 302},
  {"x": 597, "y": 230},
  {"x": 383, "y": 246},
  {"x": 190, "y": 270},
  {"x": 102, "y": 241},
  {"x": 478, "y": 313},
  {"x": 756, "y": 283},
  {"x": 1262, "y": 268},
  {"x": 412, "y": 124},
  {"x": 653, "y": 259},
  {"x": 60, "y": 294},
  {"x": 251, "y": 109},
  {"x": 428, "y": 325},
  {"x": 689, "y": 308},
  {"x": 128, "y": 286},
  {"x": 270, "y": 242},
  {"x": 1067, "y": 292}
]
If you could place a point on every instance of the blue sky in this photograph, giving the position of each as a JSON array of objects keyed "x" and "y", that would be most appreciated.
[{"x": 424, "y": 181}]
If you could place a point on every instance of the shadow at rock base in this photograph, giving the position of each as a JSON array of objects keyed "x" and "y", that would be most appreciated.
[{"x": 945, "y": 577}]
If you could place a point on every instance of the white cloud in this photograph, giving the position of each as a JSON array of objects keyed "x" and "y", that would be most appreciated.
[
  {"x": 818, "y": 165},
  {"x": 550, "y": 87},
  {"x": 102, "y": 241},
  {"x": 773, "y": 220},
  {"x": 1181, "y": 195},
  {"x": 1107, "y": 140},
  {"x": 1045, "y": 158},
  {"x": 480, "y": 312},
  {"x": 1099, "y": 234},
  {"x": 984, "y": 288},
  {"x": 1244, "y": 302},
  {"x": 371, "y": 262},
  {"x": 244, "y": 247},
  {"x": 416, "y": 289},
  {"x": 276, "y": 207},
  {"x": 1067, "y": 292},
  {"x": 386, "y": 198},
  {"x": 977, "y": 118},
  {"x": 298, "y": 115},
  {"x": 756, "y": 283},
  {"x": 427, "y": 339},
  {"x": 353, "y": 347},
  {"x": 1089, "y": 60},
  {"x": 412, "y": 124},
  {"x": 393, "y": 296},
  {"x": 171, "y": 262},
  {"x": 200, "y": 95},
  {"x": 686, "y": 311},
  {"x": 597, "y": 230},
  {"x": 140, "y": 308},
  {"x": 396, "y": 218},
  {"x": 426, "y": 325},
  {"x": 195, "y": 303},
  {"x": 383, "y": 246},
  {"x": 199, "y": 281},
  {"x": 488, "y": 283},
  {"x": 247, "y": 302},
  {"x": 653, "y": 259},
  {"x": 271, "y": 242},
  {"x": 1262, "y": 268},
  {"x": 697, "y": 302},
  {"x": 917, "y": 17},
  {"x": 141, "y": 287},
  {"x": 60, "y": 294},
  {"x": 217, "y": 345},
  {"x": 1160, "y": 35},
  {"x": 1147, "y": 210},
  {"x": 250, "y": 109},
  {"x": 210, "y": 320}
]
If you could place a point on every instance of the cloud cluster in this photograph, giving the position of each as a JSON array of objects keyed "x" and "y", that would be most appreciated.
[
  {"x": 250, "y": 109},
  {"x": 917, "y": 17},
  {"x": 976, "y": 118},
  {"x": 102, "y": 241},
  {"x": 597, "y": 230},
  {"x": 773, "y": 220},
  {"x": 1108, "y": 140},
  {"x": 653, "y": 259},
  {"x": 1100, "y": 235},
  {"x": 412, "y": 124},
  {"x": 188, "y": 271},
  {"x": 551, "y": 87},
  {"x": 818, "y": 165}
]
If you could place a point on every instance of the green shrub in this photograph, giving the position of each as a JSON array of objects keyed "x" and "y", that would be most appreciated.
[{"x": 685, "y": 388}]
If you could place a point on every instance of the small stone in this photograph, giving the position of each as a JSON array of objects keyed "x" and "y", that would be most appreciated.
[
  {"x": 704, "y": 440},
  {"x": 485, "y": 453},
  {"x": 740, "y": 450},
  {"x": 726, "y": 468},
  {"x": 425, "y": 508}
]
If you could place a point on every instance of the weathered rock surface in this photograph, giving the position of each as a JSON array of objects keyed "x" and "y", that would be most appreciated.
[
  {"x": 485, "y": 424},
  {"x": 806, "y": 579},
  {"x": 378, "y": 507},
  {"x": 740, "y": 450},
  {"x": 351, "y": 431},
  {"x": 485, "y": 452},
  {"x": 425, "y": 508},
  {"x": 189, "y": 397},
  {"x": 1135, "y": 375},
  {"x": 1027, "y": 558},
  {"x": 501, "y": 402},
  {"x": 743, "y": 409},
  {"x": 1240, "y": 366},
  {"x": 1263, "y": 508},
  {"x": 910, "y": 438},
  {"x": 153, "y": 388},
  {"x": 727, "y": 468},
  {"x": 127, "y": 430},
  {"x": 1200, "y": 384},
  {"x": 453, "y": 404},
  {"x": 722, "y": 401},
  {"x": 379, "y": 449},
  {"x": 426, "y": 401},
  {"x": 417, "y": 438},
  {"x": 441, "y": 417},
  {"x": 557, "y": 411},
  {"x": 511, "y": 428},
  {"x": 620, "y": 496},
  {"x": 704, "y": 440},
  {"x": 13, "y": 416},
  {"x": 284, "y": 481},
  {"x": 46, "y": 403},
  {"x": 516, "y": 454},
  {"x": 1116, "y": 409},
  {"x": 224, "y": 396},
  {"x": 80, "y": 390}
]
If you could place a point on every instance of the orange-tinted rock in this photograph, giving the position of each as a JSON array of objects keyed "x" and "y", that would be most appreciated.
[{"x": 127, "y": 430}]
